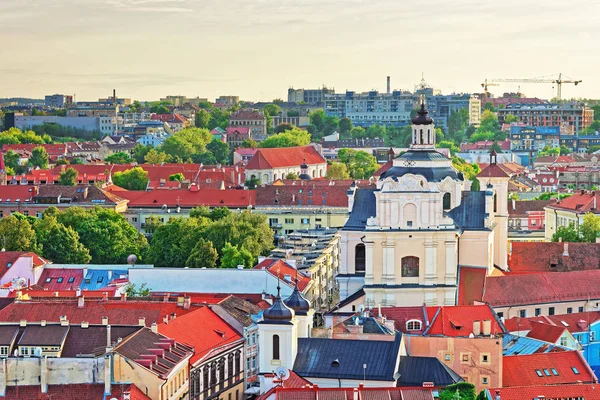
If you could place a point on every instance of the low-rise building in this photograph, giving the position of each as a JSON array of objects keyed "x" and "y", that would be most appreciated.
[
  {"x": 570, "y": 211},
  {"x": 254, "y": 119},
  {"x": 235, "y": 135},
  {"x": 269, "y": 165},
  {"x": 527, "y": 220}
]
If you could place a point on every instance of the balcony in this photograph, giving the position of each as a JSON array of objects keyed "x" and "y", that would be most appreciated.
[{"x": 276, "y": 225}]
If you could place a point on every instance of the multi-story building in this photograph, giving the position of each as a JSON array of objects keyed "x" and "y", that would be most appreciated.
[
  {"x": 570, "y": 210},
  {"x": 181, "y": 100},
  {"x": 228, "y": 100},
  {"x": 58, "y": 101},
  {"x": 441, "y": 106},
  {"x": 474, "y": 110},
  {"x": 365, "y": 109},
  {"x": 269, "y": 165},
  {"x": 575, "y": 117},
  {"x": 101, "y": 124},
  {"x": 250, "y": 118},
  {"x": 309, "y": 96}
]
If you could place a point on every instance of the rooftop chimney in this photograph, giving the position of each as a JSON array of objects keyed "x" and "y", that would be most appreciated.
[
  {"x": 389, "y": 88},
  {"x": 107, "y": 375},
  {"x": 154, "y": 327},
  {"x": 108, "y": 336},
  {"x": 64, "y": 322},
  {"x": 487, "y": 327},
  {"x": 43, "y": 322},
  {"x": 476, "y": 328},
  {"x": 514, "y": 204},
  {"x": 142, "y": 321},
  {"x": 85, "y": 324},
  {"x": 44, "y": 374},
  {"x": 566, "y": 250},
  {"x": 104, "y": 320},
  {"x": 80, "y": 301},
  {"x": 187, "y": 302},
  {"x": 23, "y": 322}
]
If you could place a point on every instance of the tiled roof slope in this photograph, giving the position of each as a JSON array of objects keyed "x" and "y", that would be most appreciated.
[
  {"x": 74, "y": 392},
  {"x": 471, "y": 284},
  {"x": 202, "y": 329},
  {"x": 576, "y": 322},
  {"x": 545, "y": 332},
  {"x": 533, "y": 257},
  {"x": 280, "y": 268},
  {"x": 302, "y": 195},
  {"x": 457, "y": 321},
  {"x": 522, "y": 370},
  {"x": 573, "y": 391},
  {"x": 580, "y": 202},
  {"x": 523, "y": 207},
  {"x": 285, "y": 157},
  {"x": 240, "y": 309}
]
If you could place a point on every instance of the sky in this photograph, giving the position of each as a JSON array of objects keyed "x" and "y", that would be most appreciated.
[{"x": 147, "y": 49}]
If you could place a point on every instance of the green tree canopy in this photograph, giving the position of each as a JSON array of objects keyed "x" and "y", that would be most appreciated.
[
  {"x": 173, "y": 242},
  {"x": 458, "y": 391},
  {"x": 104, "y": 232},
  {"x": 272, "y": 109},
  {"x": 345, "y": 126},
  {"x": 155, "y": 157},
  {"x": 187, "y": 142},
  {"x": 292, "y": 176},
  {"x": 590, "y": 228},
  {"x": 203, "y": 119},
  {"x": 140, "y": 151},
  {"x": 470, "y": 171},
  {"x": 120, "y": 157},
  {"x": 234, "y": 256},
  {"x": 68, "y": 177},
  {"x": 219, "y": 150},
  {"x": 360, "y": 164},
  {"x": 60, "y": 244},
  {"x": 17, "y": 234},
  {"x": 203, "y": 255},
  {"x": 566, "y": 234},
  {"x": 39, "y": 158},
  {"x": 177, "y": 177},
  {"x": 132, "y": 179},
  {"x": 291, "y": 138},
  {"x": 338, "y": 170},
  {"x": 283, "y": 127}
]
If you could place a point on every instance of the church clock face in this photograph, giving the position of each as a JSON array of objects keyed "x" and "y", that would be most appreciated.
[{"x": 409, "y": 163}]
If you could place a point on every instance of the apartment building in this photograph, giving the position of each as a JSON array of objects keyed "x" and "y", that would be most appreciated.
[{"x": 575, "y": 117}]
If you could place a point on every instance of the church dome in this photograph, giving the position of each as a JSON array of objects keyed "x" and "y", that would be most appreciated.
[
  {"x": 278, "y": 310},
  {"x": 297, "y": 302},
  {"x": 430, "y": 164},
  {"x": 422, "y": 117}
]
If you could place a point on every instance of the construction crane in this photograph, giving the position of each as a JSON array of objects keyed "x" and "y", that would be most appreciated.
[
  {"x": 559, "y": 82},
  {"x": 486, "y": 94}
]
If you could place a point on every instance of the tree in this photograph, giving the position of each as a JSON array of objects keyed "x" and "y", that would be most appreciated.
[
  {"x": 457, "y": 124},
  {"x": 206, "y": 158},
  {"x": 376, "y": 131},
  {"x": 283, "y": 127},
  {"x": 140, "y": 151},
  {"x": 495, "y": 147},
  {"x": 60, "y": 244},
  {"x": 292, "y": 176},
  {"x": 234, "y": 256},
  {"x": 475, "y": 185},
  {"x": 203, "y": 255},
  {"x": 249, "y": 144},
  {"x": 510, "y": 118},
  {"x": 218, "y": 213},
  {"x": 291, "y": 138},
  {"x": 448, "y": 144},
  {"x": 186, "y": 142},
  {"x": 345, "y": 126},
  {"x": 203, "y": 119},
  {"x": 151, "y": 224},
  {"x": 489, "y": 107},
  {"x": 61, "y": 161},
  {"x": 173, "y": 242},
  {"x": 338, "y": 170},
  {"x": 489, "y": 124},
  {"x": 120, "y": 157},
  {"x": 76, "y": 161},
  {"x": 358, "y": 132},
  {"x": 17, "y": 234},
  {"x": 589, "y": 229},
  {"x": 161, "y": 107},
  {"x": 68, "y": 177},
  {"x": 132, "y": 179},
  {"x": 252, "y": 182},
  {"x": 205, "y": 105},
  {"x": 219, "y": 150},
  {"x": 155, "y": 157},
  {"x": 567, "y": 234},
  {"x": 108, "y": 236},
  {"x": 39, "y": 158},
  {"x": 11, "y": 159},
  {"x": 317, "y": 118},
  {"x": 458, "y": 391},
  {"x": 564, "y": 150},
  {"x": 469, "y": 171},
  {"x": 272, "y": 109},
  {"x": 360, "y": 164},
  {"x": 176, "y": 177},
  {"x": 131, "y": 291}
]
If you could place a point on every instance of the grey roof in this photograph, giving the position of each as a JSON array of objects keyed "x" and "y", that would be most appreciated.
[
  {"x": 369, "y": 324},
  {"x": 365, "y": 206},
  {"x": 513, "y": 345},
  {"x": 432, "y": 174},
  {"x": 470, "y": 215},
  {"x": 416, "y": 370},
  {"x": 316, "y": 356}
]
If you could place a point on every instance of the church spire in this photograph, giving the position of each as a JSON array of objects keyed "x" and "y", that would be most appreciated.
[{"x": 423, "y": 129}]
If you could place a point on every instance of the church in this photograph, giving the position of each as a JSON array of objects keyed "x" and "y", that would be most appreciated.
[{"x": 407, "y": 235}]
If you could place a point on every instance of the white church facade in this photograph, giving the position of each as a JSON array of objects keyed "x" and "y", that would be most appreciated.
[{"x": 406, "y": 237}]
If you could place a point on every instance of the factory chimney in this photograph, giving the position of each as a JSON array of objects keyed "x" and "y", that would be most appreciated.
[{"x": 388, "y": 85}]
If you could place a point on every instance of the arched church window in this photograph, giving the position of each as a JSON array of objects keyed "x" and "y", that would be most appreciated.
[
  {"x": 410, "y": 267},
  {"x": 359, "y": 258},
  {"x": 275, "y": 347},
  {"x": 447, "y": 201}
]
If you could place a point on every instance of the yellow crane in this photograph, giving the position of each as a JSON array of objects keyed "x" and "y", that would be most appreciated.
[{"x": 558, "y": 81}]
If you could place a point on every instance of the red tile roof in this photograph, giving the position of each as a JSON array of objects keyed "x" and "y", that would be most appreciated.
[
  {"x": 285, "y": 157},
  {"x": 232, "y": 198},
  {"x": 387, "y": 393},
  {"x": 579, "y": 203},
  {"x": 535, "y": 257},
  {"x": 118, "y": 312},
  {"x": 470, "y": 285},
  {"x": 545, "y": 332},
  {"x": 202, "y": 329},
  {"x": 22, "y": 193},
  {"x": 304, "y": 194},
  {"x": 457, "y": 321},
  {"x": 294, "y": 381},
  {"x": 384, "y": 168},
  {"x": 522, "y": 208},
  {"x": 247, "y": 114},
  {"x": 401, "y": 315},
  {"x": 53, "y": 275},
  {"x": 484, "y": 145},
  {"x": 59, "y": 149},
  {"x": 92, "y": 391},
  {"x": 574, "y": 323},
  {"x": 238, "y": 130},
  {"x": 574, "y": 391},
  {"x": 169, "y": 118},
  {"x": 493, "y": 171},
  {"x": 279, "y": 268},
  {"x": 541, "y": 288},
  {"x": 521, "y": 370}
]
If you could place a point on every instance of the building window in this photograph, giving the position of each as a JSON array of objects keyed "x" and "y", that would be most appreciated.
[
  {"x": 59, "y": 280},
  {"x": 523, "y": 313},
  {"x": 563, "y": 341},
  {"x": 539, "y": 373},
  {"x": 538, "y": 312},
  {"x": 447, "y": 357},
  {"x": 289, "y": 220},
  {"x": 500, "y": 315},
  {"x": 4, "y": 351},
  {"x": 550, "y": 310},
  {"x": 569, "y": 310},
  {"x": 447, "y": 201},
  {"x": 575, "y": 371},
  {"x": 413, "y": 325},
  {"x": 71, "y": 279},
  {"x": 484, "y": 380},
  {"x": 304, "y": 221},
  {"x": 410, "y": 267},
  {"x": 359, "y": 258},
  {"x": 580, "y": 309},
  {"x": 275, "y": 347},
  {"x": 464, "y": 358},
  {"x": 485, "y": 358}
]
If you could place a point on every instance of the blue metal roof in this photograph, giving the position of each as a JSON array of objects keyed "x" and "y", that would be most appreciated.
[
  {"x": 513, "y": 345},
  {"x": 470, "y": 214},
  {"x": 96, "y": 279}
]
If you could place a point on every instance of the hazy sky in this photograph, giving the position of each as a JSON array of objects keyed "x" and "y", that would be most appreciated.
[{"x": 257, "y": 49}]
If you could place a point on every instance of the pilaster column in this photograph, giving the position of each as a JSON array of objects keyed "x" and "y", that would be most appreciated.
[
  {"x": 451, "y": 263},
  {"x": 368, "y": 263},
  {"x": 389, "y": 275},
  {"x": 430, "y": 263}
]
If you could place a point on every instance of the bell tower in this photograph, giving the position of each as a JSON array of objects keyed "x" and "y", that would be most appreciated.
[{"x": 423, "y": 130}]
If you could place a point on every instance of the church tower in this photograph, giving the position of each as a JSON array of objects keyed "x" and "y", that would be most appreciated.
[
  {"x": 304, "y": 313},
  {"x": 423, "y": 130},
  {"x": 277, "y": 336}
]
